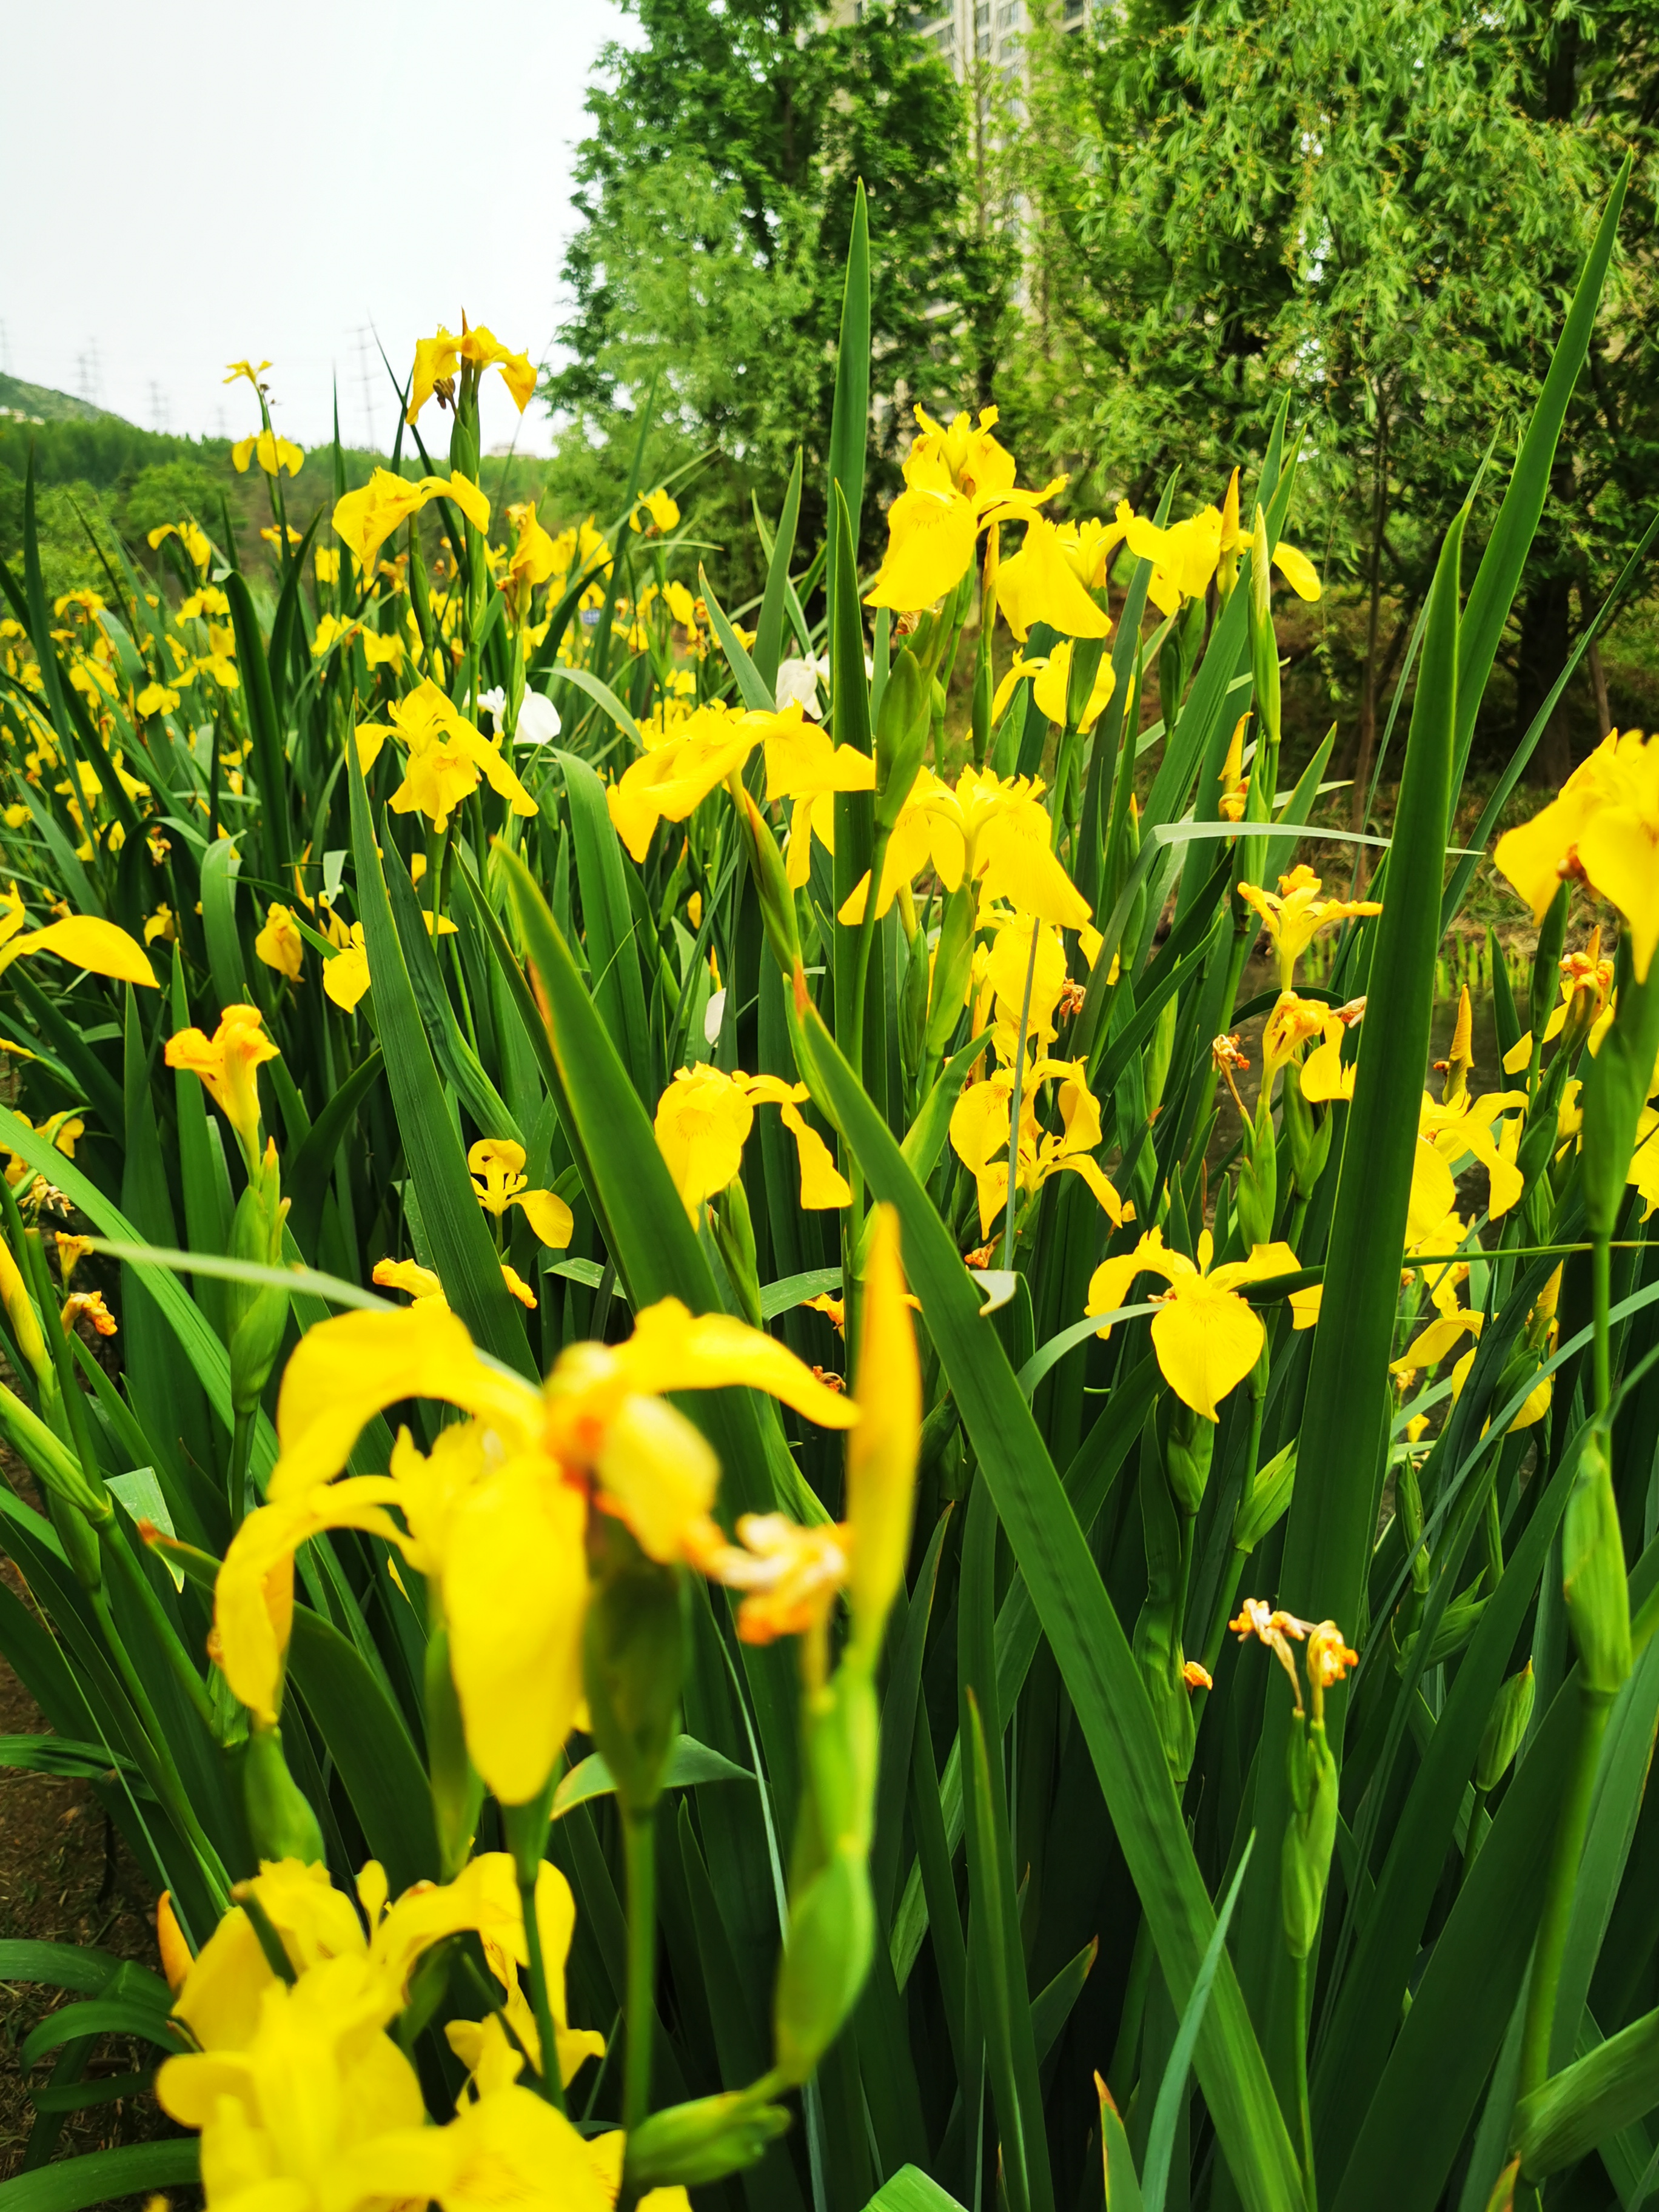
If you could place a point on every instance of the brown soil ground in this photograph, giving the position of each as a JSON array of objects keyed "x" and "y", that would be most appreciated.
[{"x": 66, "y": 1876}]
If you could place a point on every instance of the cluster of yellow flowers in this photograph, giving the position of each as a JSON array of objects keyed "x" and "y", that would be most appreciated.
[{"x": 301, "y": 2095}]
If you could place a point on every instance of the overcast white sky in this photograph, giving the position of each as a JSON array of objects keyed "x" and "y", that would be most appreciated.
[{"x": 215, "y": 179}]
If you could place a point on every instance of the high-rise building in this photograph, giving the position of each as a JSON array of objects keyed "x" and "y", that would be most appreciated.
[{"x": 963, "y": 31}]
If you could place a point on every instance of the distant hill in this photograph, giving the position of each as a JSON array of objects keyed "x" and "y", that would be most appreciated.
[{"x": 39, "y": 402}]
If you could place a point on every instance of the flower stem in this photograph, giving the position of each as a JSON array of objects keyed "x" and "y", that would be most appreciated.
[
  {"x": 640, "y": 1848},
  {"x": 552, "y": 2084},
  {"x": 241, "y": 1459},
  {"x": 1303, "y": 2116},
  {"x": 1594, "y": 1707}
]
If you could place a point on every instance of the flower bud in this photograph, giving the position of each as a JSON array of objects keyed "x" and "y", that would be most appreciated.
[
  {"x": 1308, "y": 1132},
  {"x": 633, "y": 1659},
  {"x": 734, "y": 1233},
  {"x": 826, "y": 1956},
  {"x": 901, "y": 731},
  {"x": 257, "y": 1312},
  {"x": 1506, "y": 1724},
  {"x": 1266, "y": 1502},
  {"x": 21, "y": 1313},
  {"x": 1309, "y": 1835},
  {"x": 703, "y": 2141},
  {"x": 1593, "y": 1578},
  {"x": 777, "y": 901},
  {"x": 1186, "y": 1461},
  {"x": 1258, "y": 1176},
  {"x": 280, "y": 1821},
  {"x": 883, "y": 1450},
  {"x": 953, "y": 964}
]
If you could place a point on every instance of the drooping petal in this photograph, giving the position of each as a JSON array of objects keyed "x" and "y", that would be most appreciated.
[
  {"x": 673, "y": 1349},
  {"x": 515, "y": 1594},
  {"x": 347, "y": 1370},
  {"x": 1206, "y": 1340}
]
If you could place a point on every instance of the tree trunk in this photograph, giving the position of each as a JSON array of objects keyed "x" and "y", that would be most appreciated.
[
  {"x": 1544, "y": 627},
  {"x": 1598, "y": 675}
]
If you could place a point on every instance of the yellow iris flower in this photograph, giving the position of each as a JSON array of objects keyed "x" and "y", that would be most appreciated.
[
  {"x": 229, "y": 1063},
  {"x": 702, "y": 1123},
  {"x": 366, "y": 518},
  {"x": 805, "y": 764},
  {"x": 279, "y": 943},
  {"x": 447, "y": 757},
  {"x": 496, "y": 1166},
  {"x": 495, "y": 1518},
  {"x": 190, "y": 536},
  {"x": 1602, "y": 831},
  {"x": 957, "y": 481},
  {"x": 670, "y": 782},
  {"x": 301, "y": 2096},
  {"x": 1051, "y": 688},
  {"x": 1186, "y": 555},
  {"x": 1295, "y": 916},
  {"x": 1206, "y": 1338},
  {"x": 989, "y": 831},
  {"x": 1044, "y": 582},
  {"x": 83, "y": 939},
  {"x": 438, "y": 359},
  {"x": 421, "y": 1283},
  {"x": 981, "y": 1129},
  {"x": 273, "y": 453},
  {"x": 655, "y": 514}
]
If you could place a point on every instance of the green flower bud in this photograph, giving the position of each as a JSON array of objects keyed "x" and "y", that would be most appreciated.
[
  {"x": 777, "y": 901},
  {"x": 257, "y": 1313},
  {"x": 953, "y": 965},
  {"x": 832, "y": 1926},
  {"x": 1593, "y": 1575},
  {"x": 901, "y": 731},
  {"x": 1309, "y": 1835},
  {"x": 1258, "y": 1176},
  {"x": 1266, "y": 1502},
  {"x": 633, "y": 1658},
  {"x": 280, "y": 1821},
  {"x": 1191, "y": 1446},
  {"x": 734, "y": 1233},
  {"x": 1160, "y": 1049},
  {"x": 1506, "y": 1724},
  {"x": 1264, "y": 642},
  {"x": 703, "y": 2141},
  {"x": 1308, "y": 1131}
]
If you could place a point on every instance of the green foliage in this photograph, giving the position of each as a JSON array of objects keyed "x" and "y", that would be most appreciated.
[
  {"x": 717, "y": 190},
  {"x": 934, "y": 1874}
]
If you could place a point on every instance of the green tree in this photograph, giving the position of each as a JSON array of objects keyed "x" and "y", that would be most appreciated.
[
  {"x": 716, "y": 190},
  {"x": 1377, "y": 210}
]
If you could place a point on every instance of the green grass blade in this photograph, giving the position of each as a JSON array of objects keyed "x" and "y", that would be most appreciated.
[
  {"x": 1088, "y": 1641},
  {"x": 270, "y": 761},
  {"x": 1160, "y": 2142},
  {"x": 462, "y": 1250},
  {"x": 1346, "y": 1414},
  {"x": 769, "y": 632},
  {"x": 850, "y": 416},
  {"x": 609, "y": 924},
  {"x": 103, "y": 2177}
]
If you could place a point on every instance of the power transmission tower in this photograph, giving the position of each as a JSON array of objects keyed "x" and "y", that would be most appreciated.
[
  {"x": 158, "y": 405},
  {"x": 368, "y": 379}
]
